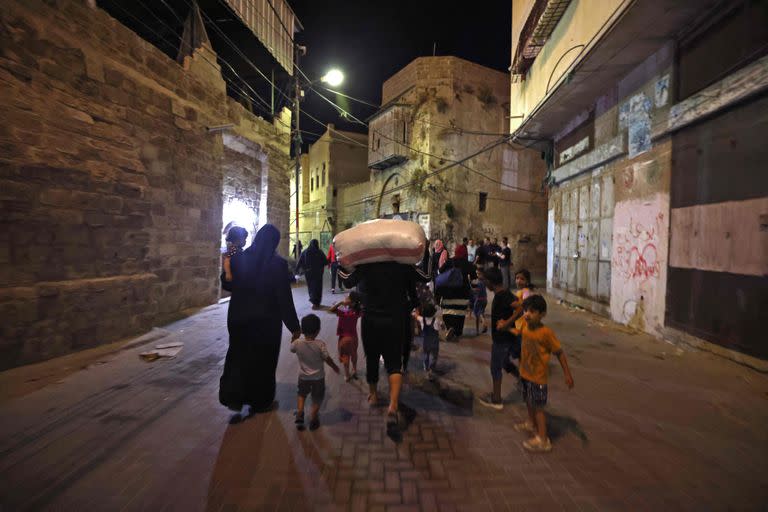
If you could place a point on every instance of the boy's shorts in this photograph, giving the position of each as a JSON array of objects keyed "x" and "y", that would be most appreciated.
[
  {"x": 534, "y": 394},
  {"x": 314, "y": 387}
]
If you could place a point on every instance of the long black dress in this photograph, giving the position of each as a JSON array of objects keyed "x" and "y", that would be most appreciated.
[
  {"x": 261, "y": 302},
  {"x": 313, "y": 261}
]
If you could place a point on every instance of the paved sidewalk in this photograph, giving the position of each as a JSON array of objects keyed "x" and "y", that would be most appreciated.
[{"x": 646, "y": 427}]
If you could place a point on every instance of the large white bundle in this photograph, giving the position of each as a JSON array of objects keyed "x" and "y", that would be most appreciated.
[{"x": 380, "y": 240}]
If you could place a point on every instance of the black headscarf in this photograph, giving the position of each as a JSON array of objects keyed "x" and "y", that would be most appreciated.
[{"x": 261, "y": 252}]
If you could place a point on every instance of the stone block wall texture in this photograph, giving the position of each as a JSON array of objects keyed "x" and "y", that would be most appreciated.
[
  {"x": 110, "y": 185},
  {"x": 453, "y": 106}
]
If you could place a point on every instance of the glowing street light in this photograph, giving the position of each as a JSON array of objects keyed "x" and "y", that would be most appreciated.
[{"x": 334, "y": 78}]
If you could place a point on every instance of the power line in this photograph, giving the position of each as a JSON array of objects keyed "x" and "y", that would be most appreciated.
[
  {"x": 424, "y": 152},
  {"x": 433, "y": 173}
]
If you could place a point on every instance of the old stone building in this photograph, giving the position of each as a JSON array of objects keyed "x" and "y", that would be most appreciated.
[
  {"x": 441, "y": 110},
  {"x": 119, "y": 168},
  {"x": 656, "y": 216},
  {"x": 333, "y": 172}
]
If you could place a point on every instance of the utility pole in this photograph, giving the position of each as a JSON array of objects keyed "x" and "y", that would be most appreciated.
[{"x": 297, "y": 51}]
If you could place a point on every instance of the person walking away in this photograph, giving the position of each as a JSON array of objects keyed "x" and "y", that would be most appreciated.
[
  {"x": 460, "y": 252},
  {"x": 348, "y": 311},
  {"x": 388, "y": 295},
  {"x": 261, "y": 301},
  {"x": 504, "y": 342},
  {"x": 313, "y": 262},
  {"x": 539, "y": 343},
  {"x": 334, "y": 270},
  {"x": 495, "y": 250},
  {"x": 479, "y": 303},
  {"x": 471, "y": 251},
  {"x": 505, "y": 262},
  {"x": 453, "y": 290},
  {"x": 312, "y": 354},
  {"x": 427, "y": 318}
]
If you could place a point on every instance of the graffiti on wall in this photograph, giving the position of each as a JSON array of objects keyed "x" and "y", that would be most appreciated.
[{"x": 636, "y": 250}]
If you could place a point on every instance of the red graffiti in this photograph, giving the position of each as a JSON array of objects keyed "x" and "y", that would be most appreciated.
[{"x": 636, "y": 255}]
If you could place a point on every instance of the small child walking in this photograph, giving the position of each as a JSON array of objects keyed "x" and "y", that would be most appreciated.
[
  {"x": 479, "y": 303},
  {"x": 236, "y": 237},
  {"x": 312, "y": 354},
  {"x": 348, "y": 311},
  {"x": 539, "y": 343},
  {"x": 427, "y": 318}
]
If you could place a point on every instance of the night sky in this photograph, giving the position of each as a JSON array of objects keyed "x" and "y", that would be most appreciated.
[{"x": 371, "y": 41}]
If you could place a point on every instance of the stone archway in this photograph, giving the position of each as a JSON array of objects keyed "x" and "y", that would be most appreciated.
[{"x": 383, "y": 190}]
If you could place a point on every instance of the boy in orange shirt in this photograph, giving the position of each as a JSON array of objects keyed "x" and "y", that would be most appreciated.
[{"x": 538, "y": 343}]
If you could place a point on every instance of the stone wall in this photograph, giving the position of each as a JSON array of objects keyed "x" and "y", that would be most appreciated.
[
  {"x": 456, "y": 109},
  {"x": 111, "y": 202}
]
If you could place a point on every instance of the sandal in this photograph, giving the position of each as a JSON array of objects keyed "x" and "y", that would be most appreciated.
[
  {"x": 299, "y": 421},
  {"x": 525, "y": 426},
  {"x": 538, "y": 445}
]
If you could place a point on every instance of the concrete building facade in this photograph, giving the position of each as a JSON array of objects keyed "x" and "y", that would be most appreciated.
[
  {"x": 333, "y": 171},
  {"x": 439, "y": 156},
  {"x": 657, "y": 194},
  {"x": 114, "y": 191}
]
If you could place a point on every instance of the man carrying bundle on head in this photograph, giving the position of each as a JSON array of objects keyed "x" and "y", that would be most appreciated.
[{"x": 379, "y": 257}]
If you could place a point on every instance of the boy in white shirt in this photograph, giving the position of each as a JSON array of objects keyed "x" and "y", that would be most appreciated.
[{"x": 312, "y": 354}]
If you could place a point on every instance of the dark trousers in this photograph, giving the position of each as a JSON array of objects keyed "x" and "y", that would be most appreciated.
[
  {"x": 334, "y": 273},
  {"x": 384, "y": 335}
]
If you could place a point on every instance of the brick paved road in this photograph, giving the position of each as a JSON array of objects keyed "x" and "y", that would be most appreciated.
[{"x": 646, "y": 428}]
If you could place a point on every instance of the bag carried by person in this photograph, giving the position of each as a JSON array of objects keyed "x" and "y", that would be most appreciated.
[
  {"x": 451, "y": 278},
  {"x": 378, "y": 241}
]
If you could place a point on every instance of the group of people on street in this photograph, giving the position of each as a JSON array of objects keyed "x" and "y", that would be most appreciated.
[{"x": 392, "y": 301}]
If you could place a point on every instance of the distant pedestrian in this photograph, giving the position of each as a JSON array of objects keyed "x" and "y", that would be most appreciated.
[
  {"x": 428, "y": 319},
  {"x": 334, "y": 270},
  {"x": 504, "y": 344},
  {"x": 313, "y": 355},
  {"x": 460, "y": 252},
  {"x": 505, "y": 262},
  {"x": 539, "y": 343},
  {"x": 479, "y": 303},
  {"x": 471, "y": 251},
  {"x": 313, "y": 262},
  {"x": 348, "y": 311},
  {"x": 261, "y": 301}
]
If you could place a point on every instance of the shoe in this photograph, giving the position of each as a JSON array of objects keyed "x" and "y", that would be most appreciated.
[
  {"x": 488, "y": 401},
  {"x": 347, "y": 378},
  {"x": 314, "y": 424},
  {"x": 525, "y": 426},
  {"x": 299, "y": 421},
  {"x": 315, "y": 306},
  {"x": 373, "y": 399},
  {"x": 536, "y": 444},
  {"x": 355, "y": 377},
  {"x": 333, "y": 291},
  {"x": 485, "y": 329},
  {"x": 430, "y": 375}
]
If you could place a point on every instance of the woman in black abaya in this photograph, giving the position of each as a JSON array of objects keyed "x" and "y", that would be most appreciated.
[
  {"x": 313, "y": 261},
  {"x": 261, "y": 302}
]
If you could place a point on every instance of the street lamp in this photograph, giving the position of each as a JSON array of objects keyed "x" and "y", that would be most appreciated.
[{"x": 334, "y": 78}]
